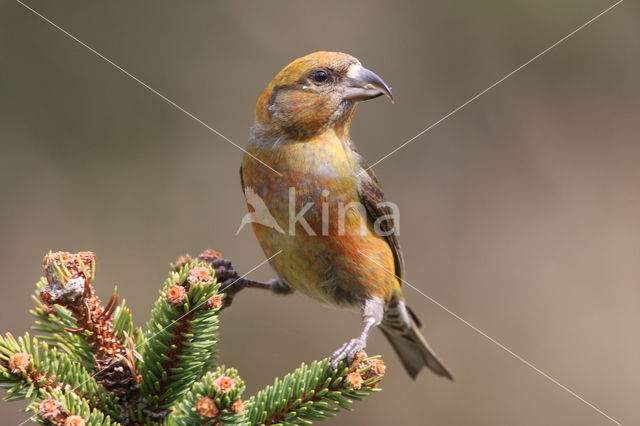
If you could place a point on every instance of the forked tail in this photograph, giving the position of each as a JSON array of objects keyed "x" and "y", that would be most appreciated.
[{"x": 402, "y": 328}]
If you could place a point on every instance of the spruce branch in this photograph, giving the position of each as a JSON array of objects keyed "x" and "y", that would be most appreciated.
[
  {"x": 30, "y": 368},
  {"x": 314, "y": 392},
  {"x": 91, "y": 366},
  {"x": 57, "y": 326},
  {"x": 181, "y": 335},
  {"x": 68, "y": 409},
  {"x": 215, "y": 399},
  {"x": 70, "y": 284}
]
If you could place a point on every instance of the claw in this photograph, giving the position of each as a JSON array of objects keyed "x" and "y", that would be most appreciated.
[
  {"x": 225, "y": 273},
  {"x": 226, "y": 276},
  {"x": 347, "y": 352},
  {"x": 221, "y": 264},
  {"x": 231, "y": 282}
]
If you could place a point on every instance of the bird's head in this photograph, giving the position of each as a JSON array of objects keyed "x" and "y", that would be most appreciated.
[{"x": 315, "y": 92}]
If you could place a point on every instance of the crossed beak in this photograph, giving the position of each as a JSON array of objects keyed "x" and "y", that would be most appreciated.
[{"x": 363, "y": 84}]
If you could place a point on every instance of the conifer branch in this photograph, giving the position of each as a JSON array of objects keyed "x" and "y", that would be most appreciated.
[
  {"x": 91, "y": 366},
  {"x": 216, "y": 396},
  {"x": 30, "y": 369},
  {"x": 68, "y": 409},
  {"x": 57, "y": 326},
  {"x": 181, "y": 335},
  {"x": 70, "y": 284},
  {"x": 315, "y": 392}
]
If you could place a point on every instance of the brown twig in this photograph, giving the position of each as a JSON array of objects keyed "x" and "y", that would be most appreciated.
[{"x": 70, "y": 284}]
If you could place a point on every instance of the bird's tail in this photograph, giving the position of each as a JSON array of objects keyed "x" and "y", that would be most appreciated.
[{"x": 401, "y": 327}]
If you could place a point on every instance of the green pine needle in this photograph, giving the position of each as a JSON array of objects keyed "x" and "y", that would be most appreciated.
[
  {"x": 228, "y": 407},
  {"x": 312, "y": 393},
  {"x": 170, "y": 367},
  {"x": 72, "y": 404},
  {"x": 49, "y": 370},
  {"x": 51, "y": 328},
  {"x": 179, "y": 346}
]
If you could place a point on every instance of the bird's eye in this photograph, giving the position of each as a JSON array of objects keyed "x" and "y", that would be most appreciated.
[{"x": 319, "y": 76}]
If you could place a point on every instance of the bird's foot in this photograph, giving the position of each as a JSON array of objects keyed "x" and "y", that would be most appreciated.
[
  {"x": 222, "y": 267},
  {"x": 231, "y": 282},
  {"x": 225, "y": 274},
  {"x": 348, "y": 351}
]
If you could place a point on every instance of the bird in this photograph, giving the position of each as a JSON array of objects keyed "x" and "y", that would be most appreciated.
[
  {"x": 260, "y": 213},
  {"x": 338, "y": 246}
]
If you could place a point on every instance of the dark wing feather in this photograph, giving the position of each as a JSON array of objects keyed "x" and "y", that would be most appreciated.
[{"x": 371, "y": 196}]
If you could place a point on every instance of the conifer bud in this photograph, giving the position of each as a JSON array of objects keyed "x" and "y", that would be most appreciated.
[
  {"x": 206, "y": 407},
  {"x": 19, "y": 362}
]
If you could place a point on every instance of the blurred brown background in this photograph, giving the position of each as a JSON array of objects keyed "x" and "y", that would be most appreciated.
[{"x": 520, "y": 213}]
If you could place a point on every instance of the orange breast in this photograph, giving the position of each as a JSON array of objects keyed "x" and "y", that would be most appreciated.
[{"x": 328, "y": 256}]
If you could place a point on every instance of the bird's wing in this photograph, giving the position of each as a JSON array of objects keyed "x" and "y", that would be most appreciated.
[
  {"x": 371, "y": 196},
  {"x": 241, "y": 179}
]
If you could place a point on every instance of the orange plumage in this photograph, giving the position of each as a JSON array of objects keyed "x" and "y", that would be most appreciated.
[{"x": 328, "y": 202}]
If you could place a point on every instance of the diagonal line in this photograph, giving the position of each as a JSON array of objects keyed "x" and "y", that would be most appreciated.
[
  {"x": 199, "y": 305},
  {"x": 128, "y": 74},
  {"x": 496, "y": 83},
  {"x": 173, "y": 322},
  {"x": 500, "y": 345}
]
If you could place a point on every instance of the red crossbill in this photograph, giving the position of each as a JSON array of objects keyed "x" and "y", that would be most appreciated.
[{"x": 329, "y": 249}]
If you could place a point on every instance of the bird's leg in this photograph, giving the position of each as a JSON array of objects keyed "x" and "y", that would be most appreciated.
[
  {"x": 372, "y": 313},
  {"x": 232, "y": 282}
]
